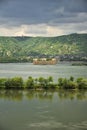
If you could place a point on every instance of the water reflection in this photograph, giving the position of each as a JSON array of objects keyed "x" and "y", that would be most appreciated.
[
  {"x": 51, "y": 124},
  {"x": 43, "y": 110},
  {"x": 14, "y": 95},
  {"x": 19, "y": 95},
  {"x": 72, "y": 94}
]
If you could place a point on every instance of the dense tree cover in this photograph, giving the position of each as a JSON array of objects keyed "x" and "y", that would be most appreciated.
[
  {"x": 20, "y": 49},
  {"x": 43, "y": 83}
]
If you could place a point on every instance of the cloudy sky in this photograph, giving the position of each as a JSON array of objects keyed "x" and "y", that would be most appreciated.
[{"x": 42, "y": 17}]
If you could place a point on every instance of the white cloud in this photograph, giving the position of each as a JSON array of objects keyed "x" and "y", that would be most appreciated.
[
  {"x": 31, "y": 30},
  {"x": 43, "y": 29},
  {"x": 54, "y": 31}
]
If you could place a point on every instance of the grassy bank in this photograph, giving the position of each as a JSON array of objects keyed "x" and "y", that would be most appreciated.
[
  {"x": 43, "y": 83},
  {"x": 79, "y": 64}
]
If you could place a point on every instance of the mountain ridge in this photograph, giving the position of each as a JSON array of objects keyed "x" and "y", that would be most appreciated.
[{"x": 24, "y": 46}]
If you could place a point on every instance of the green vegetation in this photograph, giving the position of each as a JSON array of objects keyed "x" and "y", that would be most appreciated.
[
  {"x": 16, "y": 82},
  {"x": 24, "y": 49},
  {"x": 30, "y": 83},
  {"x": 43, "y": 83},
  {"x": 79, "y": 64},
  {"x": 2, "y": 82}
]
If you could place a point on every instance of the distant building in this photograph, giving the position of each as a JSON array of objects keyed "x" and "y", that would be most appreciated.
[{"x": 45, "y": 61}]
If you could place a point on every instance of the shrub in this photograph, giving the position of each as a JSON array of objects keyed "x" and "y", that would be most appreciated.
[
  {"x": 79, "y": 80},
  {"x": 42, "y": 81},
  {"x": 30, "y": 83},
  {"x": 71, "y": 85},
  {"x": 67, "y": 83},
  {"x": 60, "y": 82},
  {"x": 82, "y": 84},
  {"x": 71, "y": 78},
  {"x": 2, "y": 82},
  {"x": 16, "y": 82}
]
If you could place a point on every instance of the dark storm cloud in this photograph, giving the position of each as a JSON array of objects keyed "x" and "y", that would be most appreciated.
[
  {"x": 54, "y": 13},
  {"x": 3, "y": 2},
  {"x": 40, "y": 11}
]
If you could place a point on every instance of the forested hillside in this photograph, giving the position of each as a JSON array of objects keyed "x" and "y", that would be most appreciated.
[{"x": 24, "y": 48}]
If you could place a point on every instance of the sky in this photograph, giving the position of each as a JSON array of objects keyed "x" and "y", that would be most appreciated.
[{"x": 42, "y": 17}]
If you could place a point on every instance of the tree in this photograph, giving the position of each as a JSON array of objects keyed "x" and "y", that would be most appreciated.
[
  {"x": 8, "y": 84},
  {"x": 50, "y": 79},
  {"x": 16, "y": 82},
  {"x": 30, "y": 83},
  {"x": 2, "y": 82},
  {"x": 82, "y": 83},
  {"x": 50, "y": 82},
  {"x": 43, "y": 82},
  {"x": 60, "y": 82},
  {"x": 71, "y": 78},
  {"x": 65, "y": 83}
]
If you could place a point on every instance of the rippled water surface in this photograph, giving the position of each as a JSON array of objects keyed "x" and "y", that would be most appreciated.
[
  {"x": 43, "y": 110},
  {"x": 27, "y": 69}
]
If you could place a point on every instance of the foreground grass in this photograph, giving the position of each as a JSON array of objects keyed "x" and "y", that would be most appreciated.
[{"x": 43, "y": 83}]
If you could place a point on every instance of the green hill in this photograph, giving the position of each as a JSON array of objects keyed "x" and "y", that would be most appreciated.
[{"x": 21, "y": 48}]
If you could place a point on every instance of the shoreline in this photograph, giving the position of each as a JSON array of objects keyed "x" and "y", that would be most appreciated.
[{"x": 42, "y": 83}]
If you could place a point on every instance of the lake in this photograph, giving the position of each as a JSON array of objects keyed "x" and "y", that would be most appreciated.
[
  {"x": 43, "y": 110},
  {"x": 28, "y": 69}
]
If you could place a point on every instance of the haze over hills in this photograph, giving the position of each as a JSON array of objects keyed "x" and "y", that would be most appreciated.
[{"x": 23, "y": 48}]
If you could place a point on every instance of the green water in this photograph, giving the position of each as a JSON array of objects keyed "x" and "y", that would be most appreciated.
[{"x": 43, "y": 110}]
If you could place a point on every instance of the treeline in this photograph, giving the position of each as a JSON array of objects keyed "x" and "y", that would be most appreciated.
[
  {"x": 12, "y": 59},
  {"x": 43, "y": 83}
]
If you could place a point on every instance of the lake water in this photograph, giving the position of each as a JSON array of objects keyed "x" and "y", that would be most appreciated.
[
  {"x": 43, "y": 110},
  {"x": 27, "y": 69}
]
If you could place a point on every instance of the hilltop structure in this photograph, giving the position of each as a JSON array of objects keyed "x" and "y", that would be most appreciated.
[{"x": 45, "y": 61}]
